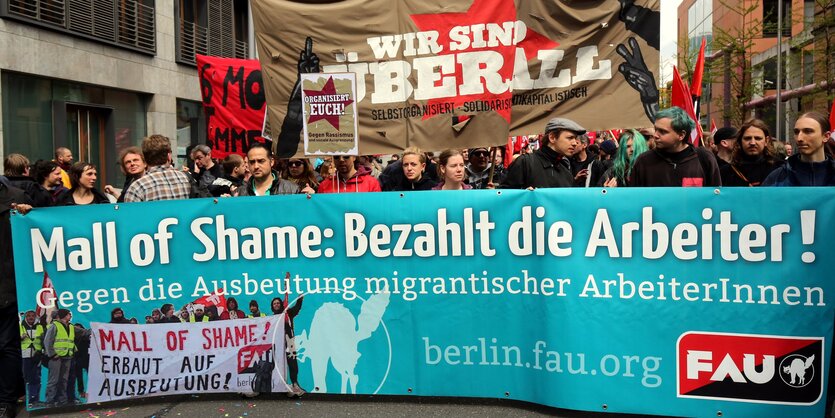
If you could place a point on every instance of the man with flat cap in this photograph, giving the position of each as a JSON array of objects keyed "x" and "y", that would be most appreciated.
[{"x": 549, "y": 166}]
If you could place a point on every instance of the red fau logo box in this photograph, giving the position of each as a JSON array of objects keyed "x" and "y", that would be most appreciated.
[{"x": 750, "y": 368}]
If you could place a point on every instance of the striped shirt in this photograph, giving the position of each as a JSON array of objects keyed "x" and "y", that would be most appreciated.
[{"x": 159, "y": 183}]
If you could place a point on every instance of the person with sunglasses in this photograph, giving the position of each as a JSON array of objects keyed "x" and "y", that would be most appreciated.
[
  {"x": 478, "y": 169},
  {"x": 349, "y": 178},
  {"x": 299, "y": 171}
]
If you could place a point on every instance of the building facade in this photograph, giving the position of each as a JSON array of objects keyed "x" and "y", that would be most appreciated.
[
  {"x": 741, "y": 78},
  {"x": 96, "y": 76}
]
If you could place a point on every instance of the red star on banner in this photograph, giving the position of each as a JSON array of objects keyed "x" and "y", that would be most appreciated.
[
  {"x": 482, "y": 12},
  {"x": 327, "y": 90}
]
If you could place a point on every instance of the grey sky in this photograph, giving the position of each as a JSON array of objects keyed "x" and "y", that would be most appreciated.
[{"x": 669, "y": 39}]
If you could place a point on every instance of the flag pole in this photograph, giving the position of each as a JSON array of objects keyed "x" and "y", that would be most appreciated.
[{"x": 779, "y": 67}]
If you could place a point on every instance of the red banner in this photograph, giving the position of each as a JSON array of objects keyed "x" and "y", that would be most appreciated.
[{"x": 233, "y": 96}]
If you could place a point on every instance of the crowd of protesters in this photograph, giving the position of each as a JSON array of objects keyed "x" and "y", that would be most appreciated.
[{"x": 562, "y": 156}]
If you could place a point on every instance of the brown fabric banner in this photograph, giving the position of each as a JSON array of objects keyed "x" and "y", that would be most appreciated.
[{"x": 437, "y": 74}]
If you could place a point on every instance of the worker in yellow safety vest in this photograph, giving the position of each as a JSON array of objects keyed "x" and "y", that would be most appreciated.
[
  {"x": 59, "y": 347},
  {"x": 31, "y": 347},
  {"x": 199, "y": 314}
]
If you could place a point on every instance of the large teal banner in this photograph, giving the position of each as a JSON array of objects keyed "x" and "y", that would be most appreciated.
[{"x": 658, "y": 301}]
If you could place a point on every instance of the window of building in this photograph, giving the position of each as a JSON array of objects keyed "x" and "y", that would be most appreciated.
[
  {"x": 213, "y": 27},
  {"x": 191, "y": 128},
  {"x": 770, "y": 18},
  {"x": 95, "y": 123},
  {"x": 770, "y": 75},
  {"x": 808, "y": 14},
  {"x": 125, "y": 23},
  {"x": 808, "y": 67}
]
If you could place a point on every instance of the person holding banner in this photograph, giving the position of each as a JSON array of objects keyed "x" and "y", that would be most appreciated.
[
  {"x": 413, "y": 165},
  {"x": 83, "y": 190},
  {"x": 753, "y": 158},
  {"x": 810, "y": 166},
  {"x": 199, "y": 314},
  {"x": 254, "y": 310},
  {"x": 451, "y": 170},
  {"x": 31, "y": 345},
  {"x": 675, "y": 162},
  {"x": 349, "y": 177},
  {"x": 278, "y": 306},
  {"x": 11, "y": 198},
  {"x": 264, "y": 180},
  {"x": 232, "y": 311},
  {"x": 549, "y": 165},
  {"x": 59, "y": 348}
]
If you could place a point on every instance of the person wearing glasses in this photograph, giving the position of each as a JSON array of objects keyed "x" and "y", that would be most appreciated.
[
  {"x": 478, "y": 169},
  {"x": 349, "y": 178},
  {"x": 299, "y": 171}
]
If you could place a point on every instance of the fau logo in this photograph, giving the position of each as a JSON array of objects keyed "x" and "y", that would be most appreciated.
[{"x": 750, "y": 368}]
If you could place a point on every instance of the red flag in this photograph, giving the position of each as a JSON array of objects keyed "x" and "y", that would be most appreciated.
[
  {"x": 508, "y": 152},
  {"x": 592, "y": 136},
  {"x": 698, "y": 72},
  {"x": 46, "y": 299},
  {"x": 832, "y": 119},
  {"x": 713, "y": 127},
  {"x": 681, "y": 97},
  {"x": 215, "y": 299}
]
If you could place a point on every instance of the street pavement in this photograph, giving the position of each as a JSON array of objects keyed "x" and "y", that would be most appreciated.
[{"x": 316, "y": 405}]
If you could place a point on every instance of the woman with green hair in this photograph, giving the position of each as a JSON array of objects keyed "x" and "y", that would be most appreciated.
[{"x": 631, "y": 144}]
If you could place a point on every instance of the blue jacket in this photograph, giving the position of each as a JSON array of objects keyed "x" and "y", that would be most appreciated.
[{"x": 799, "y": 173}]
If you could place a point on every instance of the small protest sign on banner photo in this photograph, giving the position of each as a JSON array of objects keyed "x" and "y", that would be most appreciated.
[
  {"x": 177, "y": 358},
  {"x": 330, "y": 114}
]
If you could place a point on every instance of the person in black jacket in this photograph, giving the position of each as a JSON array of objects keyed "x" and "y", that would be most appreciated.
[
  {"x": 414, "y": 177},
  {"x": 548, "y": 166},
  {"x": 16, "y": 168},
  {"x": 83, "y": 192},
  {"x": 753, "y": 157},
  {"x": 675, "y": 162},
  {"x": 10, "y": 352}
]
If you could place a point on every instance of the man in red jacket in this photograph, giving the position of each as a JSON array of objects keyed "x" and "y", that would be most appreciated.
[{"x": 349, "y": 178}]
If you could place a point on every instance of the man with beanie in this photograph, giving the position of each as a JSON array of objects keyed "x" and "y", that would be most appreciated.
[
  {"x": 724, "y": 139},
  {"x": 549, "y": 166}
]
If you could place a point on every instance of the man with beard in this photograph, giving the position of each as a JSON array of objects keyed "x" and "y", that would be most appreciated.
[
  {"x": 264, "y": 180},
  {"x": 753, "y": 157},
  {"x": 48, "y": 177},
  {"x": 117, "y": 316},
  {"x": 63, "y": 157},
  {"x": 349, "y": 177}
]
